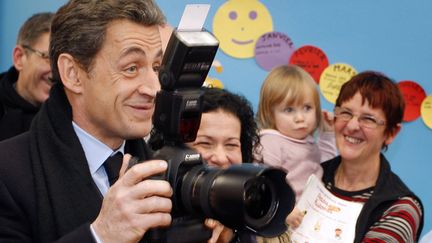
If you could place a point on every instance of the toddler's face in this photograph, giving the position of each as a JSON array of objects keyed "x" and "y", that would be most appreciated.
[{"x": 296, "y": 120}]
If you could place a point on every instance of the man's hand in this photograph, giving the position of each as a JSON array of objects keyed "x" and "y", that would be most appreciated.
[{"x": 135, "y": 203}]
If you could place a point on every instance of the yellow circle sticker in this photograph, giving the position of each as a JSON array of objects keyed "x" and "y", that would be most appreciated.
[
  {"x": 238, "y": 24},
  {"x": 332, "y": 79},
  {"x": 213, "y": 83},
  {"x": 426, "y": 111}
]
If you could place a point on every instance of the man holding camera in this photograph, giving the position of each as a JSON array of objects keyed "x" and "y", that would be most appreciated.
[{"x": 54, "y": 184}]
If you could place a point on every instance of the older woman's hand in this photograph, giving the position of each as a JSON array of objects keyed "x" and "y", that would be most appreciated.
[{"x": 295, "y": 218}]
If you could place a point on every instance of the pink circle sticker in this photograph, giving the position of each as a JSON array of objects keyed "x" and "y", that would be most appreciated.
[
  {"x": 312, "y": 59},
  {"x": 413, "y": 95},
  {"x": 273, "y": 49}
]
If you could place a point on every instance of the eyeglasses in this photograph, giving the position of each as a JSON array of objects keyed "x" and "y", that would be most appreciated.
[
  {"x": 43, "y": 55},
  {"x": 365, "y": 121}
]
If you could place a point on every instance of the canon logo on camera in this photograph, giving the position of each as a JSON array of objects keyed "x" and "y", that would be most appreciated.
[{"x": 191, "y": 157}]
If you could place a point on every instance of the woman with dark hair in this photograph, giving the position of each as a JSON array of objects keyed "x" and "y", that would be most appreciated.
[
  {"x": 368, "y": 116},
  {"x": 228, "y": 131},
  {"x": 227, "y": 135}
]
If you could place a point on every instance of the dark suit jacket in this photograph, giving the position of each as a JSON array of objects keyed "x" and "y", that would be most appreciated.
[
  {"x": 46, "y": 190},
  {"x": 18, "y": 211}
]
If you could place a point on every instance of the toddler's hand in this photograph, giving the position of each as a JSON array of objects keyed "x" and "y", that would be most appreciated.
[{"x": 327, "y": 121}]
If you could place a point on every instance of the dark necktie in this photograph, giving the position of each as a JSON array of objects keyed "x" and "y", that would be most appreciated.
[{"x": 112, "y": 167}]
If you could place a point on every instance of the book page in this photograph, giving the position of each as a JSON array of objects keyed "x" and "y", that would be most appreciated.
[{"x": 327, "y": 217}]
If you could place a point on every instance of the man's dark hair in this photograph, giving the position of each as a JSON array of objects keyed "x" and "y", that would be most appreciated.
[{"x": 79, "y": 27}]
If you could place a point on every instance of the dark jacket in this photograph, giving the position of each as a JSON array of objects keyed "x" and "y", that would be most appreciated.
[
  {"x": 46, "y": 189},
  {"x": 16, "y": 114},
  {"x": 389, "y": 188}
]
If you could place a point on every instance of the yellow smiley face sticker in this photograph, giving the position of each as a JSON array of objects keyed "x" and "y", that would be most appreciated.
[{"x": 238, "y": 24}]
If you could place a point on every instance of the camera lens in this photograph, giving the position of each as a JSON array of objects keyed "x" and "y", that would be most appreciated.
[
  {"x": 259, "y": 194},
  {"x": 241, "y": 196}
]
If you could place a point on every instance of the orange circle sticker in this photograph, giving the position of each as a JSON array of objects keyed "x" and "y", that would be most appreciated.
[
  {"x": 332, "y": 79},
  {"x": 413, "y": 95},
  {"x": 426, "y": 111},
  {"x": 312, "y": 59}
]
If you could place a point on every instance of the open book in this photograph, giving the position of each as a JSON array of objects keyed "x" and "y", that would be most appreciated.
[{"x": 327, "y": 217}]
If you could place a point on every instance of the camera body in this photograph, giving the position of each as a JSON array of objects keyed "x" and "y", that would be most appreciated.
[
  {"x": 185, "y": 65},
  {"x": 247, "y": 196}
]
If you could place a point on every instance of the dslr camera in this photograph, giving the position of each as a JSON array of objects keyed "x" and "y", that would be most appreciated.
[{"x": 244, "y": 197}]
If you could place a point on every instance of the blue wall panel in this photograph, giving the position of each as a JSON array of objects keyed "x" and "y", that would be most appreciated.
[{"x": 393, "y": 37}]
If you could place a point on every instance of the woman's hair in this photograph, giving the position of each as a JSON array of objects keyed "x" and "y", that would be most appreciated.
[
  {"x": 289, "y": 84},
  {"x": 380, "y": 92},
  {"x": 219, "y": 99},
  {"x": 215, "y": 99},
  {"x": 86, "y": 23}
]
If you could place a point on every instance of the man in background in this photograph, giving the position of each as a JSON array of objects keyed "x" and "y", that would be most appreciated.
[{"x": 25, "y": 86}]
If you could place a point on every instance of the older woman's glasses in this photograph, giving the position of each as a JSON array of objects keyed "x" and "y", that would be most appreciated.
[
  {"x": 365, "y": 121},
  {"x": 41, "y": 54}
]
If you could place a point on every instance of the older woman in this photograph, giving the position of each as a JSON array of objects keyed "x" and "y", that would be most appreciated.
[{"x": 368, "y": 116}]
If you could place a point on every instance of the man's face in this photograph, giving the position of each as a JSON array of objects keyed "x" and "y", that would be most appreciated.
[
  {"x": 34, "y": 71},
  {"x": 117, "y": 100}
]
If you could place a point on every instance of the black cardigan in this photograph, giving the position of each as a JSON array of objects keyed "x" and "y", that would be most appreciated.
[{"x": 388, "y": 189}]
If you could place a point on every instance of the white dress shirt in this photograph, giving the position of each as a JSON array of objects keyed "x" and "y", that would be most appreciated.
[{"x": 96, "y": 153}]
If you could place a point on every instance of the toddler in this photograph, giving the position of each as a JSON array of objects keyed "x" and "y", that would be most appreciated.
[{"x": 289, "y": 115}]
